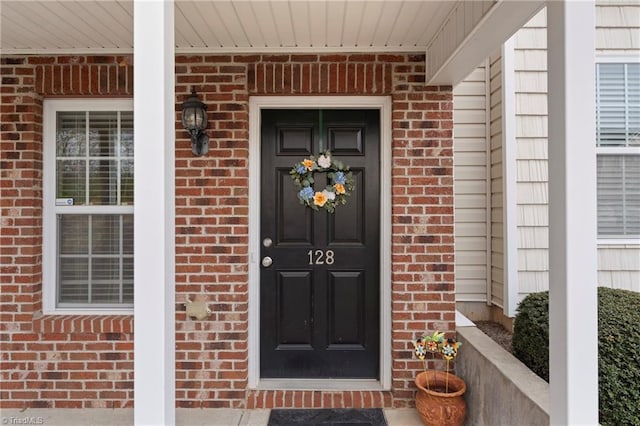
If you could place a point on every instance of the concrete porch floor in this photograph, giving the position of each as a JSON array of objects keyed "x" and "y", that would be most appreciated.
[{"x": 184, "y": 417}]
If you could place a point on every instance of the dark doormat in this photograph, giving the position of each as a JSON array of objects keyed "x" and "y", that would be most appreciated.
[{"x": 335, "y": 417}]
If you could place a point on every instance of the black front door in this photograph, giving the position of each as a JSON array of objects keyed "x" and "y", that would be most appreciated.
[{"x": 320, "y": 297}]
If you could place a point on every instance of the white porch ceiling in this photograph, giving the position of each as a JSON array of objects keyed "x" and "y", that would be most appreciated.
[
  {"x": 106, "y": 26},
  {"x": 455, "y": 35}
]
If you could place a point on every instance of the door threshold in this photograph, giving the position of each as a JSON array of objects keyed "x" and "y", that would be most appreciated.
[{"x": 320, "y": 384}]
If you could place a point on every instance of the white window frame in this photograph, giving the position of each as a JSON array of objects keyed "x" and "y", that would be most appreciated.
[
  {"x": 49, "y": 210},
  {"x": 619, "y": 59}
]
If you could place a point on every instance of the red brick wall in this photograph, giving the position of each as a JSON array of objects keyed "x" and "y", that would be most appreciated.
[
  {"x": 423, "y": 289},
  {"x": 87, "y": 361},
  {"x": 53, "y": 361},
  {"x": 212, "y": 237}
]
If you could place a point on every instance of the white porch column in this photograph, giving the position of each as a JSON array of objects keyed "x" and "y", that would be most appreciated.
[
  {"x": 572, "y": 213},
  {"x": 154, "y": 251}
]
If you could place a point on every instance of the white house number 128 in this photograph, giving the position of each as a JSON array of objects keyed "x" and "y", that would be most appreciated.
[{"x": 320, "y": 257}]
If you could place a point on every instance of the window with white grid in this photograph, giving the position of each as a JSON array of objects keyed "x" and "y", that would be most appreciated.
[
  {"x": 618, "y": 149},
  {"x": 88, "y": 211}
]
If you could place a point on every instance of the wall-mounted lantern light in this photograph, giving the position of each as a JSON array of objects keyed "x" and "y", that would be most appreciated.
[{"x": 194, "y": 120}]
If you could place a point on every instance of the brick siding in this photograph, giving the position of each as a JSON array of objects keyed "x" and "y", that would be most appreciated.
[{"x": 87, "y": 361}]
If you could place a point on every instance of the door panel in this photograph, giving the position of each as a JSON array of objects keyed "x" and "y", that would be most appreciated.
[
  {"x": 346, "y": 141},
  {"x": 293, "y": 227},
  {"x": 319, "y": 300},
  {"x": 347, "y": 313},
  {"x": 346, "y": 225},
  {"x": 295, "y": 305},
  {"x": 295, "y": 140}
]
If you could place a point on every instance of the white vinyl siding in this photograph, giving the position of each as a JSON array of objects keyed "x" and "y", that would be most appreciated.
[
  {"x": 531, "y": 159},
  {"x": 470, "y": 186},
  {"x": 618, "y": 31},
  {"x": 619, "y": 266},
  {"x": 497, "y": 186},
  {"x": 618, "y": 27},
  {"x": 88, "y": 205}
]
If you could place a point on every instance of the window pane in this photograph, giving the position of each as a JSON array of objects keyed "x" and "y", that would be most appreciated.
[
  {"x": 75, "y": 232},
  {"x": 103, "y": 133},
  {"x": 126, "y": 134},
  {"x": 127, "y": 277},
  {"x": 127, "y": 234},
  {"x": 632, "y": 195},
  {"x": 71, "y": 134},
  {"x": 103, "y": 176},
  {"x": 618, "y": 195},
  {"x": 618, "y": 104},
  {"x": 73, "y": 280},
  {"x": 95, "y": 258},
  {"x": 105, "y": 277},
  {"x": 71, "y": 180},
  {"x": 126, "y": 182},
  {"x": 105, "y": 230},
  {"x": 633, "y": 103},
  {"x": 611, "y": 105}
]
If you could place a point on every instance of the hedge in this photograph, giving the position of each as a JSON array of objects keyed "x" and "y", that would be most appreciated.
[{"x": 618, "y": 349}]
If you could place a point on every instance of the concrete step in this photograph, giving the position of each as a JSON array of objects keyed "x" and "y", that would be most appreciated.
[{"x": 184, "y": 417}]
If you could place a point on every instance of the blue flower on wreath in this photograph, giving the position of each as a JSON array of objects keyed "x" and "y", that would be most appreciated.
[
  {"x": 301, "y": 170},
  {"x": 306, "y": 193},
  {"x": 339, "y": 178}
]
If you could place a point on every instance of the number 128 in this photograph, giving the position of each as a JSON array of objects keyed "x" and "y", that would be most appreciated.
[{"x": 320, "y": 257}]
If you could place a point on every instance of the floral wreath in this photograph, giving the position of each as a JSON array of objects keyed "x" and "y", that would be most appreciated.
[{"x": 332, "y": 195}]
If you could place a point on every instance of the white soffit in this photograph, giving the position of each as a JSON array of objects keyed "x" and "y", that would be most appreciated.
[
  {"x": 201, "y": 26},
  {"x": 456, "y": 35}
]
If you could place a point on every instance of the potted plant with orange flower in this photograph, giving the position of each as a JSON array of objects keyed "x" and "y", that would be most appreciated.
[{"x": 440, "y": 396}]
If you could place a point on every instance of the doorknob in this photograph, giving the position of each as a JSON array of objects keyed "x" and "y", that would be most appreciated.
[{"x": 267, "y": 261}]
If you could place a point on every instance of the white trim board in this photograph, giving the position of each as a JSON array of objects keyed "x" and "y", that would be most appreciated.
[
  {"x": 256, "y": 104},
  {"x": 511, "y": 285}
]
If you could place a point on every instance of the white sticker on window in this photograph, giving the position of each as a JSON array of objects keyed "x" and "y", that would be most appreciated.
[{"x": 64, "y": 201}]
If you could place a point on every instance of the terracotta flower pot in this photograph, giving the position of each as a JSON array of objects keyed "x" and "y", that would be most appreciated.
[{"x": 435, "y": 404}]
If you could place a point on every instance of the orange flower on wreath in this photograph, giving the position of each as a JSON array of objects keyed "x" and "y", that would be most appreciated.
[
  {"x": 319, "y": 199},
  {"x": 339, "y": 188},
  {"x": 308, "y": 164}
]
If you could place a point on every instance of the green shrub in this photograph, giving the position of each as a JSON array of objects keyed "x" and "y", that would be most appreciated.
[
  {"x": 619, "y": 356},
  {"x": 618, "y": 349},
  {"x": 530, "y": 342}
]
